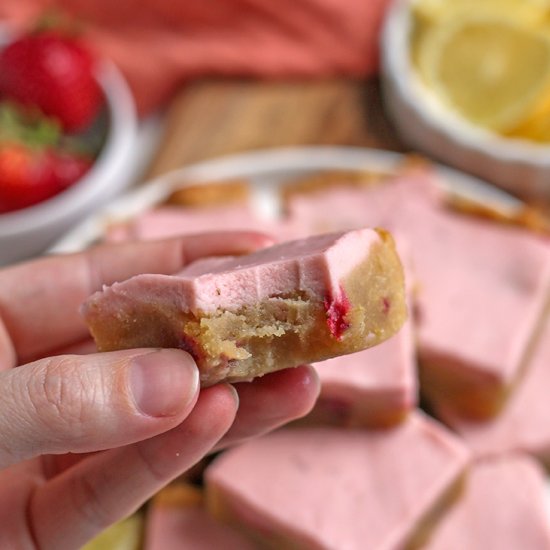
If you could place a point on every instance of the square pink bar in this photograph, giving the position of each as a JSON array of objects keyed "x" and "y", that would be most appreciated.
[
  {"x": 171, "y": 527},
  {"x": 481, "y": 285},
  {"x": 374, "y": 387},
  {"x": 502, "y": 507},
  {"x": 524, "y": 423},
  {"x": 323, "y": 488}
]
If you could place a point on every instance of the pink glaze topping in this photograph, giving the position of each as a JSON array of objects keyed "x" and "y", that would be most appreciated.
[
  {"x": 189, "y": 528},
  {"x": 345, "y": 489},
  {"x": 482, "y": 291},
  {"x": 353, "y": 207},
  {"x": 502, "y": 507},
  {"x": 524, "y": 423},
  {"x": 315, "y": 266},
  {"x": 164, "y": 222}
]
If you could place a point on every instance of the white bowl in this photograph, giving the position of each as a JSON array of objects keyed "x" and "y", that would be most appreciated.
[
  {"x": 30, "y": 231},
  {"x": 519, "y": 166}
]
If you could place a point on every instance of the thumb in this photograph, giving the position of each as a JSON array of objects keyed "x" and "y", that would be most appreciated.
[{"x": 74, "y": 403}]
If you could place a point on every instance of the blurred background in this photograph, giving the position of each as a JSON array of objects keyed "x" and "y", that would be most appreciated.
[
  {"x": 464, "y": 82},
  {"x": 99, "y": 98}
]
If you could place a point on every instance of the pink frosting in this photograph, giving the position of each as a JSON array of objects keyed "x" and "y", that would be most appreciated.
[
  {"x": 503, "y": 507},
  {"x": 524, "y": 424},
  {"x": 189, "y": 528},
  {"x": 482, "y": 285},
  {"x": 167, "y": 221},
  {"x": 482, "y": 292},
  {"x": 315, "y": 266},
  {"x": 164, "y": 222},
  {"x": 342, "y": 208},
  {"x": 345, "y": 489}
]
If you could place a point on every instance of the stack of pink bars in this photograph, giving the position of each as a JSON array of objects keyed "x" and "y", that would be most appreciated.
[{"x": 367, "y": 469}]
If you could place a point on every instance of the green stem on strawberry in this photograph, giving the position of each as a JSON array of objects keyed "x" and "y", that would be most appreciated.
[{"x": 28, "y": 126}]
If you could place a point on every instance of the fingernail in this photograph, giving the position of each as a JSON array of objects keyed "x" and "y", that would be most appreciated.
[
  {"x": 234, "y": 393},
  {"x": 164, "y": 382}
]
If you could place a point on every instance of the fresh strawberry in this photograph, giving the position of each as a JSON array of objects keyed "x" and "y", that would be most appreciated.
[
  {"x": 29, "y": 176},
  {"x": 55, "y": 74},
  {"x": 26, "y": 177}
]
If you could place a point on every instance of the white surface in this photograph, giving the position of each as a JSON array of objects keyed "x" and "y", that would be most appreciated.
[
  {"x": 425, "y": 123},
  {"x": 31, "y": 230},
  {"x": 267, "y": 170}
]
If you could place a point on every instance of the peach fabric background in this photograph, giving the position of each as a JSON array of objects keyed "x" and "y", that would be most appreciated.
[{"x": 161, "y": 43}]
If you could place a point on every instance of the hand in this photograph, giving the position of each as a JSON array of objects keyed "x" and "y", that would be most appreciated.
[{"x": 135, "y": 417}]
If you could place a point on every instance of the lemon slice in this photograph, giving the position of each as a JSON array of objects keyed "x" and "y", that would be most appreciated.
[
  {"x": 492, "y": 71},
  {"x": 528, "y": 12}
]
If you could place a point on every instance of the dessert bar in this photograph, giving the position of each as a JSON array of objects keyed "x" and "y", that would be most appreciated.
[{"x": 293, "y": 303}]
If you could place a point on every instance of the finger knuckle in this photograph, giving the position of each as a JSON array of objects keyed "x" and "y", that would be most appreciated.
[{"x": 60, "y": 393}]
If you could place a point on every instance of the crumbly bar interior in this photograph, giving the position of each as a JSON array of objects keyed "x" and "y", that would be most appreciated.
[{"x": 275, "y": 333}]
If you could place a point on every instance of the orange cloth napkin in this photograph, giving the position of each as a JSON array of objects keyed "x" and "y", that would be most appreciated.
[{"x": 159, "y": 44}]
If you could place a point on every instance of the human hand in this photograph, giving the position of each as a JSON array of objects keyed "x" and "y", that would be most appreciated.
[{"x": 135, "y": 418}]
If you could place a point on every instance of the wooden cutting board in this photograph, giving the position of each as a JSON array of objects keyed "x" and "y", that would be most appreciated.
[{"x": 218, "y": 117}]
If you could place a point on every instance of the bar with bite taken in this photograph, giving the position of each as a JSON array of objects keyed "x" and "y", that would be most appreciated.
[{"x": 293, "y": 303}]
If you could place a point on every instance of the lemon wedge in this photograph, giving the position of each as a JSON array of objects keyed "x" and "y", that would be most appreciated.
[{"x": 492, "y": 71}]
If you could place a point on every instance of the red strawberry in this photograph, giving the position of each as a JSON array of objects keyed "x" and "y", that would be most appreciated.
[
  {"x": 29, "y": 176},
  {"x": 55, "y": 74},
  {"x": 26, "y": 177}
]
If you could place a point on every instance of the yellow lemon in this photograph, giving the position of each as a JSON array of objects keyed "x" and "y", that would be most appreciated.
[
  {"x": 529, "y": 12},
  {"x": 536, "y": 127},
  {"x": 125, "y": 535},
  {"x": 491, "y": 70}
]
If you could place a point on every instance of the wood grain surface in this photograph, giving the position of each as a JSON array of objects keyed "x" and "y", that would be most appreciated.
[{"x": 218, "y": 117}]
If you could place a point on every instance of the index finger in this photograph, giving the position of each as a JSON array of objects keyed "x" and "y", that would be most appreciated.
[{"x": 40, "y": 300}]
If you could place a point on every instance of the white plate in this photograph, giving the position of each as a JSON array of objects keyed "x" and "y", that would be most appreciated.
[{"x": 267, "y": 170}]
